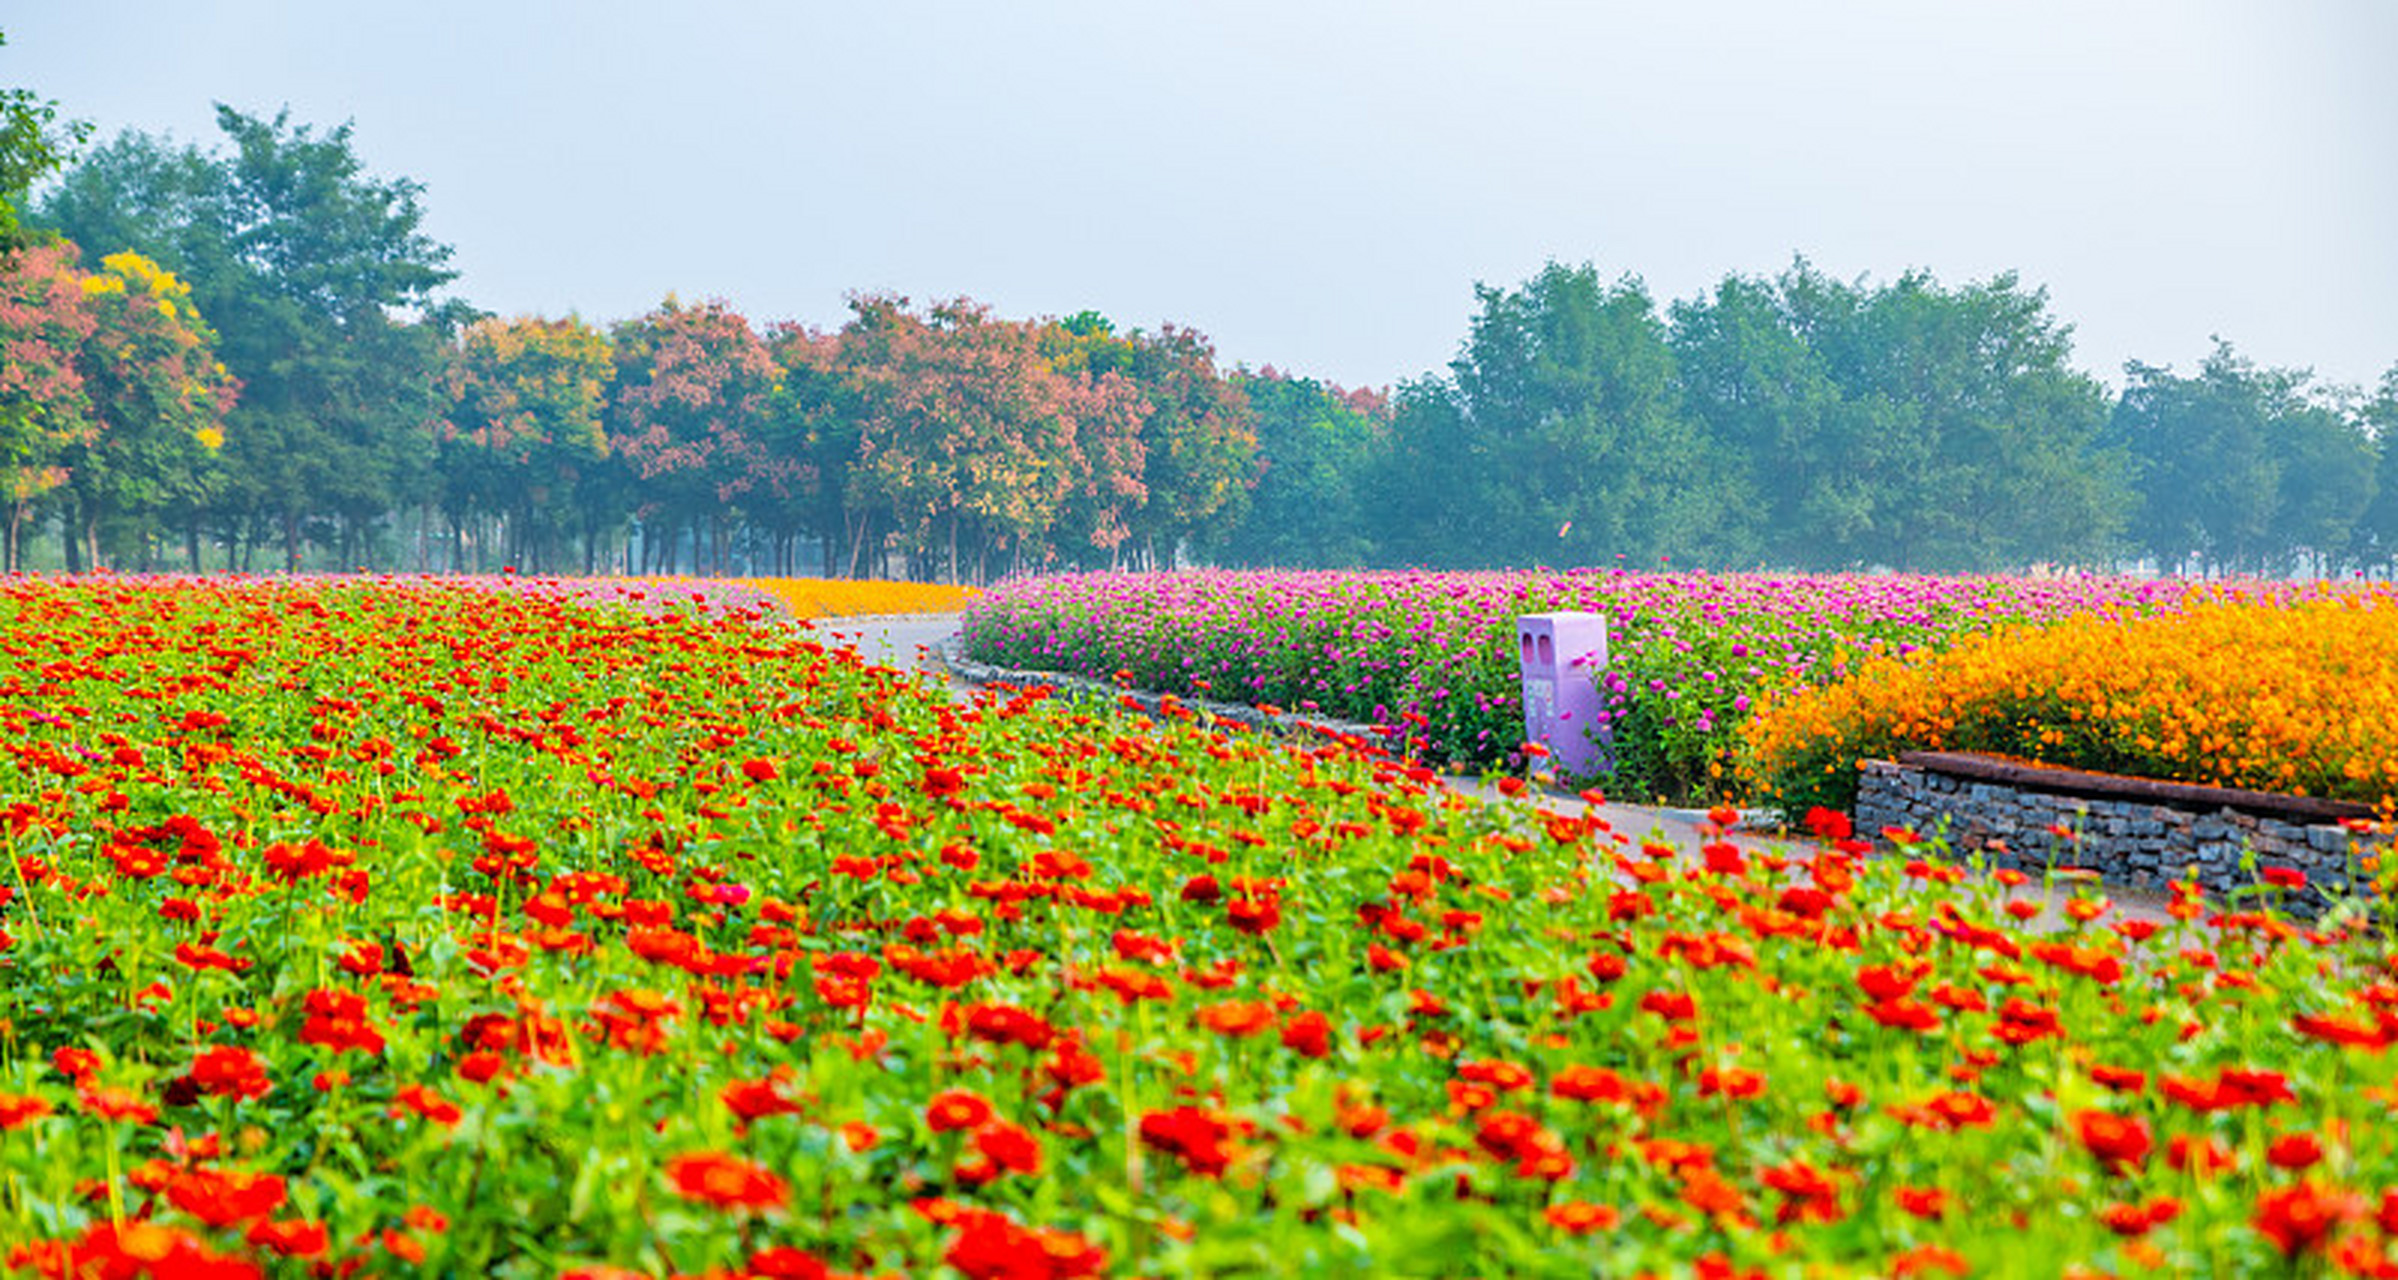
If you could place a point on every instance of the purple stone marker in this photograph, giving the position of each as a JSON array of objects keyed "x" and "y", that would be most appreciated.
[{"x": 1562, "y": 655}]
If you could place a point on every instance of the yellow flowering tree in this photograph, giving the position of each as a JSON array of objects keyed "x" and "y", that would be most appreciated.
[{"x": 158, "y": 399}]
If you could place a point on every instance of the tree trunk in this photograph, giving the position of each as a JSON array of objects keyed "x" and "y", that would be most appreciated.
[
  {"x": 70, "y": 538},
  {"x": 191, "y": 546}
]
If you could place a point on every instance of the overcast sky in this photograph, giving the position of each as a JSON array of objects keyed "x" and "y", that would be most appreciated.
[{"x": 1319, "y": 186}]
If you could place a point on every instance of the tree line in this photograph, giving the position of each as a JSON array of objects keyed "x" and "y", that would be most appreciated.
[{"x": 244, "y": 357}]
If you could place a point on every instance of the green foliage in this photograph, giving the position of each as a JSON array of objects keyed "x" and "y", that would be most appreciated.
[
  {"x": 310, "y": 269},
  {"x": 1316, "y": 445},
  {"x": 34, "y": 143},
  {"x": 2244, "y": 468},
  {"x": 1908, "y": 426}
]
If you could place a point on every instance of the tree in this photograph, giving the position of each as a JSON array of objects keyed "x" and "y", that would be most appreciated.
[
  {"x": 693, "y": 384},
  {"x": 322, "y": 287},
  {"x": 1198, "y": 439},
  {"x": 1788, "y": 488},
  {"x": 968, "y": 434},
  {"x": 2327, "y": 483},
  {"x": 2377, "y": 527},
  {"x": 159, "y": 401},
  {"x": 1908, "y": 425},
  {"x": 812, "y": 422},
  {"x": 33, "y": 143},
  {"x": 524, "y": 433},
  {"x": 1316, "y": 447},
  {"x": 1996, "y": 441},
  {"x": 2207, "y": 474},
  {"x": 1556, "y": 437},
  {"x": 45, "y": 408}
]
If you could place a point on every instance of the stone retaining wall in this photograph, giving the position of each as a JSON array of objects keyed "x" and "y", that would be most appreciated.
[{"x": 2135, "y": 841}]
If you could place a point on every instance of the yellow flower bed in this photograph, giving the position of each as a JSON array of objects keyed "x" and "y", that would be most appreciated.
[
  {"x": 2296, "y": 698},
  {"x": 845, "y": 598},
  {"x": 812, "y": 597}
]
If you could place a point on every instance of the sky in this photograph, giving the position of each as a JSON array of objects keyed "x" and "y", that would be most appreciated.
[{"x": 1320, "y": 186}]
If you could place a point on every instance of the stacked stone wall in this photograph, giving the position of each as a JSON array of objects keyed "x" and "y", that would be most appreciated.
[{"x": 2134, "y": 841}]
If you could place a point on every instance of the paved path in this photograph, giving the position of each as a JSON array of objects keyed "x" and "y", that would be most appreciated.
[
  {"x": 894, "y": 640},
  {"x": 914, "y": 642}
]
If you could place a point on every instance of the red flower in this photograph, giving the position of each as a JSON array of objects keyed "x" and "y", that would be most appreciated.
[
  {"x": 229, "y": 1071},
  {"x": 2302, "y": 1217},
  {"x": 757, "y": 1099},
  {"x": 1579, "y": 1217},
  {"x": 761, "y": 770},
  {"x": 1236, "y": 1018},
  {"x": 2295, "y": 1151},
  {"x": 1252, "y": 916},
  {"x": 990, "y": 1247},
  {"x": 2202, "y": 1156},
  {"x": 115, "y": 1102},
  {"x": 424, "y": 1102},
  {"x": 337, "y": 1020},
  {"x": 1007, "y": 1024},
  {"x": 727, "y": 1182},
  {"x": 2119, "y": 1142},
  {"x": 1009, "y": 1147},
  {"x": 1308, "y": 1034},
  {"x": 956, "y": 1109},
  {"x": 221, "y": 1198},
  {"x": 782, "y": 1262},
  {"x": 1192, "y": 1134},
  {"x": 291, "y": 1237},
  {"x": 19, "y": 1110}
]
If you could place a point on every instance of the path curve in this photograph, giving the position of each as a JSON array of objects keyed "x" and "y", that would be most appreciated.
[{"x": 926, "y": 643}]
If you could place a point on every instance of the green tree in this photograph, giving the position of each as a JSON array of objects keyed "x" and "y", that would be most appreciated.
[
  {"x": 1317, "y": 447},
  {"x": 523, "y": 435},
  {"x": 159, "y": 401},
  {"x": 34, "y": 142},
  {"x": 1557, "y": 439},
  {"x": 2207, "y": 473},
  {"x": 1787, "y": 487},
  {"x": 1998, "y": 441},
  {"x": 2327, "y": 483},
  {"x": 2377, "y": 527},
  {"x": 322, "y": 286},
  {"x": 1907, "y": 425}
]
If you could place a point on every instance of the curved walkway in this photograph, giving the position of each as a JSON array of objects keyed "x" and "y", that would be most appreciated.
[{"x": 927, "y": 643}]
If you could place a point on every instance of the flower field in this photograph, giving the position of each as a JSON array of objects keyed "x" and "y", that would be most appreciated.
[
  {"x": 403, "y": 927},
  {"x": 1434, "y": 654},
  {"x": 2285, "y": 697}
]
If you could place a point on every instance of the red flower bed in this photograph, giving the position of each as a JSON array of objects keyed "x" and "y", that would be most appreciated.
[{"x": 366, "y": 930}]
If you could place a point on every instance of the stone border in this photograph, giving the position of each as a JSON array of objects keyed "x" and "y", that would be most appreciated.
[
  {"x": 2144, "y": 835},
  {"x": 951, "y": 660}
]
